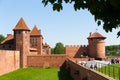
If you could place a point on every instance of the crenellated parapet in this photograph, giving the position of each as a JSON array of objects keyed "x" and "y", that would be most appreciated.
[
  {"x": 76, "y": 46},
  {"x": 76, "y": 50}
]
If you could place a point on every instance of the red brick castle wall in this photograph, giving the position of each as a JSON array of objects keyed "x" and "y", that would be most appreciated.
[
  {"x": 9, "y": 61},
  {"x": 95, "y": 48},
  {"x": 46, "y": 61},
  {"x": 76, "y": 51}
]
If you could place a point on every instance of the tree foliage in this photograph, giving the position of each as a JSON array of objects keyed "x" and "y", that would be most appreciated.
[
  {"x": 59, "y": 48},
  {"x": 1, "y": 38},
  {"x": 113, "y": 49},
  {"x": 106, "y": 11},
  {"x": 52, "y": 50}
]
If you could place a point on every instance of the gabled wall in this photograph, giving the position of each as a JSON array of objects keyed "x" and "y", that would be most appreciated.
[{"x": 36, "y": 42}]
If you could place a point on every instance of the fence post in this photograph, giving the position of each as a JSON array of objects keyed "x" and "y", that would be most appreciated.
[
  {"x": 119, "y": 73},
  {"x": 102, "y": 69},
  {"x": 105, "y": 69},
  {"x": 109, "y": 69},
  {"x": 99, "y": 68},
  {"x": 113, "y": 72}
]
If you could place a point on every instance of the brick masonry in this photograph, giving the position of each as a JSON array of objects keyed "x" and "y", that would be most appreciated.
[
  {"x": 46, "y": 61},
  {"x": 25, "y": 41},
  {"x": 37, "y": 54},
  {"x": 79, "y": 72},
  {"x": 9, "y": 61},
  {"x": 76, "y": 51},
  {"x": 94, "y": 49}
]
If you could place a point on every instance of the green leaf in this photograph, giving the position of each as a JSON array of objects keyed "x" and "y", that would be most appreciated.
[
  {"x": 52, "y": 1},
  {"x": 60, "y": 1},
  {"x": 118, "y": 34},
  {"x": 66, "y": 1},
  {"x": 1, "y": 38},
  {"x": 99, "y": 23},
  {"x": 106, "y": 11},
  {"x": 57, "y": 6},
  {"x": 45, "y": 2}
]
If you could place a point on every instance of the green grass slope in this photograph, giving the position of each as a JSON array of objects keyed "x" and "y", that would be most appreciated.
[
  {"x": 37, "y": 74},
  {"x": 111, "y": 70}
]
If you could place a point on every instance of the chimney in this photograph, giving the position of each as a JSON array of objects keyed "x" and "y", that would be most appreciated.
[
  {"x": 90, "y": 34},
  {"x": 40, "y": 31},
  {"x": 8, "y": 35}
]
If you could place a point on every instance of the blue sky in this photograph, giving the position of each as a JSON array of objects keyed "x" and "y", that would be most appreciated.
[{"x": 68, "y": 26}]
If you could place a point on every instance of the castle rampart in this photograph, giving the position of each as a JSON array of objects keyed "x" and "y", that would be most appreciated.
[
  {"x": 79, "y": 72},
  {"x": 54, "y": 60},
  {"x": 9, "y": 61},
  {"x": 76, "y": 51}
]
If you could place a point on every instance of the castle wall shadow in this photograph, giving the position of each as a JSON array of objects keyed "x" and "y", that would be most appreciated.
[
  {"x": 63, "y": 74},
  {"x": 79, "y": 72}
]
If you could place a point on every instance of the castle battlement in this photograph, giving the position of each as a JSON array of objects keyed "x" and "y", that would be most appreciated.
[{"x": 74, "y": 46}]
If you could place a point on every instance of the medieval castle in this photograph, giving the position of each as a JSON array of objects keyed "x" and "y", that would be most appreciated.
[
  {"x": 31, "y": 42},
  {"x": 25, "y": 41},
  {"x": 94, "y": 49}
]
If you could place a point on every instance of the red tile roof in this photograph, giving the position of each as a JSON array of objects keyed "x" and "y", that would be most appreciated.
[
  {"x": 9, "y": 40},
  {"x": 96, "y": 35},
  {"x": 35, "y": 32},
  {"x": 21, "y": 25}
]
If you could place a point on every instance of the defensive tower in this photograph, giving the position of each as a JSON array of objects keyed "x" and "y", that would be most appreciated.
[
  {"x": 22, "y": 41},
  {"x": 96, "y": 47},
  {"x": 36, "y": 39}
]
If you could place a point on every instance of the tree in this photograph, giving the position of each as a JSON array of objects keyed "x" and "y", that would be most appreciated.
[
  {"x": 52, "y": 50},
  {"x": 1, "y": 38},
  {"x": 106, "y": 11},
  {"x": 112, "y": 49},
  {"x": 59, "y": 48}
]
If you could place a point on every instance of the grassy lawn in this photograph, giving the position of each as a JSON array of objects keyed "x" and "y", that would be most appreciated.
[
  {"x": 111, "y": 70},
  {"x": 37, "y": 74}
]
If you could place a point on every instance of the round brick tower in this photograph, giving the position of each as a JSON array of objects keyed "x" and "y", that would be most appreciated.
[{"x": 96, "y": 48}]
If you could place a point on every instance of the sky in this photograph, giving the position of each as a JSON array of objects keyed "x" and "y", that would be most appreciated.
[{"x": 67, "y": 26}]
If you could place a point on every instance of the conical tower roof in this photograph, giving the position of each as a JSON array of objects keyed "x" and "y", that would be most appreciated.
[
  {"x": 96, "y": 35},
  {"x": 35, "y": 31},
  {"x": 21, "y": 25}
]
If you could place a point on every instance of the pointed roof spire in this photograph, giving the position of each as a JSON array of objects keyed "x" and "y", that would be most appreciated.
[
  {"x": 21, "y": 25},
  {"x": 35, "y": 31}
]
